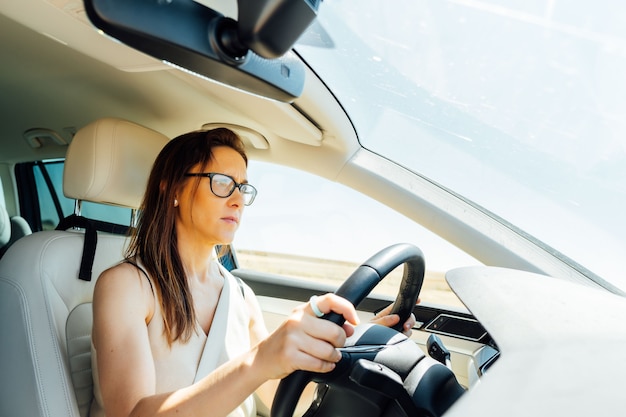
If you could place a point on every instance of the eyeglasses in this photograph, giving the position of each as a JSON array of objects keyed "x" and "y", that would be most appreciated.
[{"x": 223, "y": 186}]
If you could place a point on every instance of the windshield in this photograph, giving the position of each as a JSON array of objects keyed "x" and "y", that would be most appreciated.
[{"x": 515, "y": 105}]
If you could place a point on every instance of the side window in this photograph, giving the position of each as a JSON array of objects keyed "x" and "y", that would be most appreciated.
[
  {"x": 310, "y": 228},
  {"x": 53, "y": 205}
]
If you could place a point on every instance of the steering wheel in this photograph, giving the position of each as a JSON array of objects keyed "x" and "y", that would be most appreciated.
[{"x": 355, "y": 289}]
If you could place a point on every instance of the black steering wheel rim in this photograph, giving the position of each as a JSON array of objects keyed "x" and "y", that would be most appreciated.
[{"x": 355, "y": 289}]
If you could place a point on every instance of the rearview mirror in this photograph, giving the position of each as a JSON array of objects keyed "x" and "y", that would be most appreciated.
[{"x": 252, "y": 54}]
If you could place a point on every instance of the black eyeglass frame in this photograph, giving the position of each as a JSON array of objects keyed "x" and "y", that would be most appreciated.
[{"x": 236, "y": 184}]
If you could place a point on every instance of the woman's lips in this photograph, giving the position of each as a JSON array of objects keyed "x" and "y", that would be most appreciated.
[{"x": 231, "y": 219}]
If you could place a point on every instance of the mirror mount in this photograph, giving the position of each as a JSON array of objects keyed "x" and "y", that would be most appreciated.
[
  {"x": 252, "y": 54},
  {"x": 224, "y": 38},
  {"x": 271, "y": 27}
]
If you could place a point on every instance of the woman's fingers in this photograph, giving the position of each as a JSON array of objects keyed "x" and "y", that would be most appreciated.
[
  {"x": 286, "y": 351},
  {"x": 308, "y": 362},
  {"x": 384, "y": 318},
  {"x": 323, "y": 332},
  {"x": 333, "y": 303},
  {"x": 407, "y": 327},
  {"x": 306, "y": 342}
]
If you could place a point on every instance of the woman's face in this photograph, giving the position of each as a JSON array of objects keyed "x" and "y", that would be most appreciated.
[{"x": 205, "y": 218}]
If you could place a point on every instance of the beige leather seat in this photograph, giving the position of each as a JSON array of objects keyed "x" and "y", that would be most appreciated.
[{"x": 45, "y": 310}]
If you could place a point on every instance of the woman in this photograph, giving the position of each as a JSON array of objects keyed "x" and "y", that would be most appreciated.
[{"x": 174, "y": 332}]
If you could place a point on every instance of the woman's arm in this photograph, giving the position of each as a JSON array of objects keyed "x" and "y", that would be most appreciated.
[{"x": 122, "y": 306}]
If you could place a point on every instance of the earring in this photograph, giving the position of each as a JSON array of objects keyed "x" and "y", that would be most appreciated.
[{"x": 175, "y": 203}]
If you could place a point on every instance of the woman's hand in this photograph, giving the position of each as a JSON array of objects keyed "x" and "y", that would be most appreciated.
[
  {"x": 306, "y": 342},
  {"x": 384, "y": 318}
]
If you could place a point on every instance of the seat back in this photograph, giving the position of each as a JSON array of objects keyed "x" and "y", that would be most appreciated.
[{"x": 45, "y": 310}]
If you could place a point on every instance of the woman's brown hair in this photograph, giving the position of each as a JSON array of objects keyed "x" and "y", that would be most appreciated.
[{"x": 154, "y": 239}]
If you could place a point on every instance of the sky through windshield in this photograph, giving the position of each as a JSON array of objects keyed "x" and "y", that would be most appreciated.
[{"x": 515, "y": 105}]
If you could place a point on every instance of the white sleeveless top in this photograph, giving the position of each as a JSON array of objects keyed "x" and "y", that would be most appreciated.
[{"x": 185, "y": 363}]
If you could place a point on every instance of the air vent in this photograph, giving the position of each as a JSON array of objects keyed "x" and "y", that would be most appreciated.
[{"x": 456, "y": 326}]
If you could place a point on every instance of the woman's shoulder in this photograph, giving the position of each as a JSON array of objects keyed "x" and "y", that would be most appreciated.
[
  {"x": 124, "y": 283},
  {"x": 119, "y": 274}
]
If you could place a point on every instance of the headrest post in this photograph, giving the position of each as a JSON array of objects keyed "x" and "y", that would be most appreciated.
[
  {"x": 134, "y": 217},
  {"x": 77, "y": 207}
]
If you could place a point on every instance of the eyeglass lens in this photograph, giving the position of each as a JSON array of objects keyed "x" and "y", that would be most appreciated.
[{"x": 223, "y": 186}]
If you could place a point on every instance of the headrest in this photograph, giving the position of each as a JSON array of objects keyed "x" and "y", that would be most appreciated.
[{"x": 109, "y": 161}]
